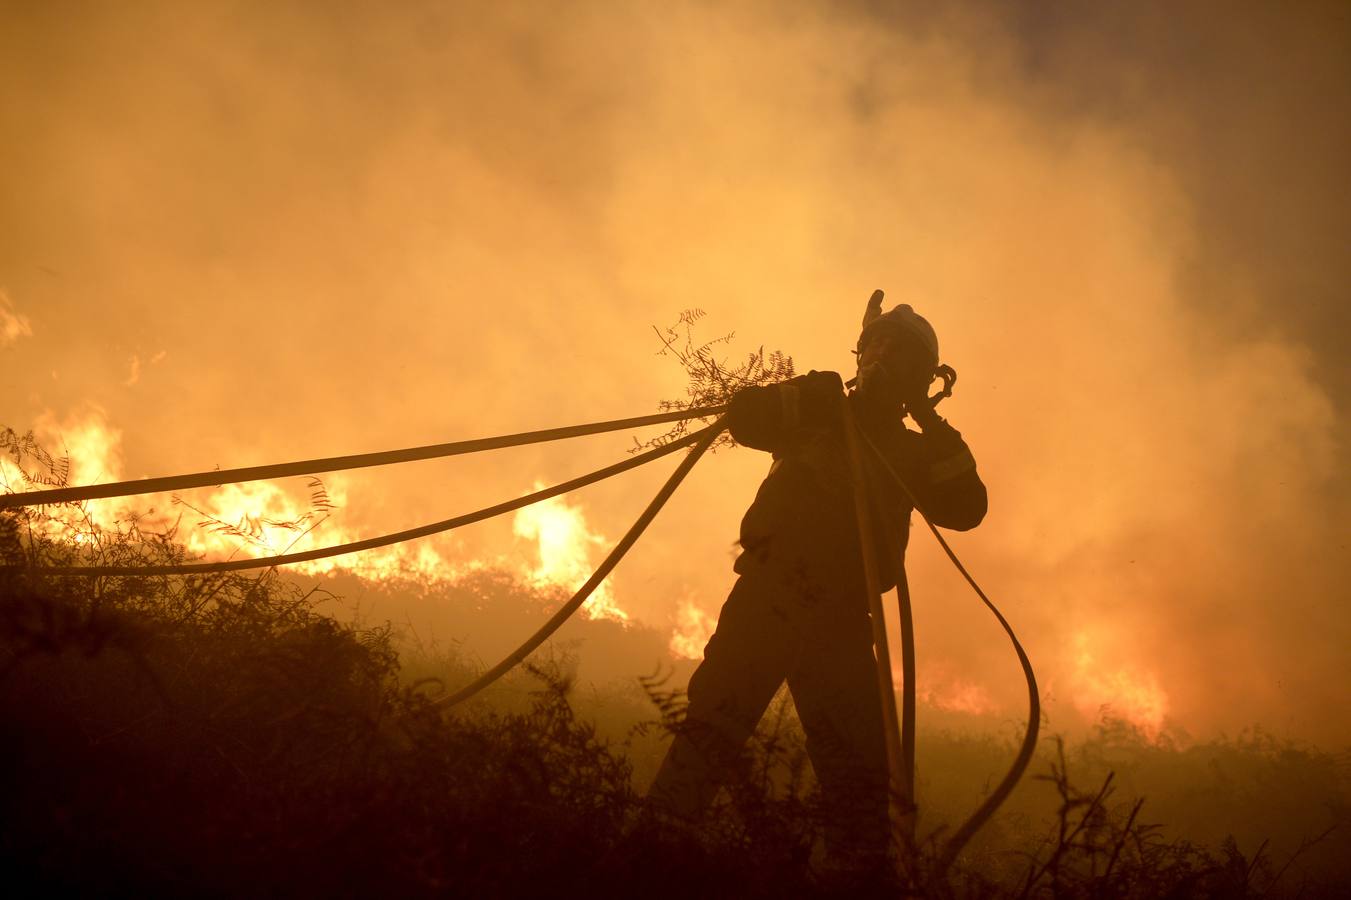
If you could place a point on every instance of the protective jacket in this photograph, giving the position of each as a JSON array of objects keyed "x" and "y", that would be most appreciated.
[
  {"x": 802, "y": 523},
  {"x": 799, "y": 611}
]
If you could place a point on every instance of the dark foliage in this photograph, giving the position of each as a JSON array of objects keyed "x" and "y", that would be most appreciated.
[
  {"x": 221, "y": 736},
  {"x": 255, "y": 747},
  {"x": 711, "y": 381}
]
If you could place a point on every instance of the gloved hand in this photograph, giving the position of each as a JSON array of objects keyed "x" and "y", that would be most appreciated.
[
  {"x": 766, "y": 416},
  {"x": 820, "y": 398},
  {"x": 920, "y": 407}
]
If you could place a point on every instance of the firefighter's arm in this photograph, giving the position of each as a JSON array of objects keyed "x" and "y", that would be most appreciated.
[
  {"x": 946, "y": 482},
  {"x": 770, "y": 417}
]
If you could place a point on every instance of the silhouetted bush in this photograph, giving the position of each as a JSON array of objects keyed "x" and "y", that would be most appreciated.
[{"x": 222, "y": 736}]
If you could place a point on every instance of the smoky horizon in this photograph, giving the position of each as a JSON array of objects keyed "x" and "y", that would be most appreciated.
[{"x": 236, "y": 235}]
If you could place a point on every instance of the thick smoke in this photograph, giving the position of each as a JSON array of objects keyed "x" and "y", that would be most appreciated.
[{"x": 254, "y": 233}]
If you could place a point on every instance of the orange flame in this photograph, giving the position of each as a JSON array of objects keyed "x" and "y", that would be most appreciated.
[
  {"x": 958, "y": 695},
  {"x": 693, "y": 627},
  {"x": 1124, "y": 692},
  {"x": 252, "y": 519},
  {"x": 564, "y": 545},
  {"x": 90, "y": 452}
]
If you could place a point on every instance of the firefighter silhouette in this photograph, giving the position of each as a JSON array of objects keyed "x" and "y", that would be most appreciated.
[{"x": 799, "y": 609}]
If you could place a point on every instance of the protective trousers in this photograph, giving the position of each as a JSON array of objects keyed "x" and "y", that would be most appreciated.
[{"x": 768, "y": 633}]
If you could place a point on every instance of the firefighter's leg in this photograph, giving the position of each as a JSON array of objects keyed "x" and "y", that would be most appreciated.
[
  {"x": 835, "y": 690},
  {"x": 744, "y": 664}
]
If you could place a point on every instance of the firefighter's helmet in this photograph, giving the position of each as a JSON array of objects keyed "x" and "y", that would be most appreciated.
[{"x": 900, "y": 319}]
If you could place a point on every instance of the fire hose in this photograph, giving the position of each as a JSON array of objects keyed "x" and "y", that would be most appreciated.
[
  {"x": 904, "y": 830},
  {"x": 488, "y": 512},
  {"x": 334, "y": 463},
  {"x": 702, "y": 440},
  {"x": 900, "y": 735}
]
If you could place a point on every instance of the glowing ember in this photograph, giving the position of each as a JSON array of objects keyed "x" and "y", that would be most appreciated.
[
  {"x": 565, "y": 544},
  {"x": 693, "y": 628}
]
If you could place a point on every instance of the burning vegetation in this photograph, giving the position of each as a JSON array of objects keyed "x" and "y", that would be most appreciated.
[{"x": 236, "y": 734}]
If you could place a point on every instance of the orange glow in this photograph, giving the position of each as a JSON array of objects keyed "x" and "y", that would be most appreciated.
[
  {"x": 565, "y": 544},
  {"x": 693, "y": 627},
  {"x": 450, "y": 232},
  {"x": 1126, "y": 692},
  {"x": 13, "y": 324},
  {"x": 958, "y": 695},
  {"x": 89, "y": 450},
  {"x": 252, "y": 519}
]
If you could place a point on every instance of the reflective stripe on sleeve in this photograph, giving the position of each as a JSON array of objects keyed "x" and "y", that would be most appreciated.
[{"x": 947, "y": 469}]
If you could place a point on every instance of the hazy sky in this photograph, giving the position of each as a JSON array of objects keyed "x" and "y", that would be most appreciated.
[{"x": 245, "y": 233}]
